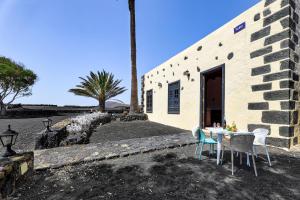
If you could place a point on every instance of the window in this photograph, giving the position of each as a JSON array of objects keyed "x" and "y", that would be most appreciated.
[
  {"x": 174, "y": 98},
  {"x": 149, "y": 101}
]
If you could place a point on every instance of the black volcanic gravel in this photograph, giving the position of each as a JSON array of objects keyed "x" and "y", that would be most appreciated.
[
  {"x": 117, "y": 130},
  {"x": 167, "y": 175},
  {"x": 163, "y": 175},
  {"x": 27, "y": 128}
]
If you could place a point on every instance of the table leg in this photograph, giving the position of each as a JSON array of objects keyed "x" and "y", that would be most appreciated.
[{"x": 219, "y": 147}]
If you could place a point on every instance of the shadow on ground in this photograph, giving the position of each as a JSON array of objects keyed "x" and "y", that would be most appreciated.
[{"x": 167, "y": 176}]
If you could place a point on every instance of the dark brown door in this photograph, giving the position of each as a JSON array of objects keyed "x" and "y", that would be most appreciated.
[{"x": 212, "y": 84}]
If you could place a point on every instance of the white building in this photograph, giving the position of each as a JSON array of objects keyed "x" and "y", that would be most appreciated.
[{"x": 246, "y": 72}]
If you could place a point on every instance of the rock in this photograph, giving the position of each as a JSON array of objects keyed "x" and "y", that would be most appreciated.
[
  {"x": 95, "y": 154},
  {"x": 125, "y": 145},
  {"x": 74, "y": 139}
]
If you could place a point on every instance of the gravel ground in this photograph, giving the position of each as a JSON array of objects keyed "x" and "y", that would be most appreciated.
[
  {"x": 114, "y": 131},
  {"x": 168, "y": 174},
  {"x": 27, "y": 127},
  {"x": 117, "y": 130}
]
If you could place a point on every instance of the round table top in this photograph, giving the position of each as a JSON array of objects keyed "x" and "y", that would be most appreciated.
[{"x": 226, "y": 132}]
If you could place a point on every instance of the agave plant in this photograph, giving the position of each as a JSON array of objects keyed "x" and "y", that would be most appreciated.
[{"x": 100, "y": 86}]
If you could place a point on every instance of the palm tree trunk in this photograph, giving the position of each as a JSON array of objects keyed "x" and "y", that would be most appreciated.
[
  {"x": 134, "y": 87},
  {"x": 102, "y": 106}
]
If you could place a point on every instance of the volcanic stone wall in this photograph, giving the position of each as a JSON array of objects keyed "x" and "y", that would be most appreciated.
[
  {"x": 296, "y": 106},
  {"x": 286, "y": 76}
]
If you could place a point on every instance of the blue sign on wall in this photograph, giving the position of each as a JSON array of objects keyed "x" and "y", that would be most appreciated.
[{"x": 240, "y": 27}]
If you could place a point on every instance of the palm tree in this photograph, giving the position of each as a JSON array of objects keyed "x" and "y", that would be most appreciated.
[
  {"x": 134, "y": 87},
  {"x": 100, "y": 86}
]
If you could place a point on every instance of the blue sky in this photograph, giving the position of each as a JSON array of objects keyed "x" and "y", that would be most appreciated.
[{"x": 64, "y": 39}]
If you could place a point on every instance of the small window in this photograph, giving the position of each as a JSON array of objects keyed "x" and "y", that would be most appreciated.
[
  {"x": 149, "y": 101},
  {"x": 174, "y": 98}
]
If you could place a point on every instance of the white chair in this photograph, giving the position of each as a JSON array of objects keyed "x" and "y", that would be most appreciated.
[
  {"x": 242, "y": 143},
  {"x": 195, "y": 133},
  {"x": 260, "y": 140}
]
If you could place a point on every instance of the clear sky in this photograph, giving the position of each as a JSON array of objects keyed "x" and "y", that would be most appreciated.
[{"x": 63, "y": 39}]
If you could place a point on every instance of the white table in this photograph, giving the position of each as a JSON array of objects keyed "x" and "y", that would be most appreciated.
[{"x": 220, "y": 133}]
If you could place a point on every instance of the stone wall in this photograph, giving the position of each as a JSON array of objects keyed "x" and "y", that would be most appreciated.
[
  {"x": 296, "y": 105},
  {"x": 134, "y": 117},
  {"x": 129, "y": 117},
  {"x": 279, "y": 74},
  {"x": 52, "y": 139},
  {"x": 61, "y": 136},
  {"x": 13, "y": 172}
]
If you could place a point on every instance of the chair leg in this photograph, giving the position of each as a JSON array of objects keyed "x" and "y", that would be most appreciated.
[
  {"x": 201, "y": 149},
  {"x": 254, "y": 150},
  {"x": 254, "y": 165},
  {"x": 232, "y": 162},
  {"x": 268, "y": 156},
  {"x": 248, "y": 161},
  {"x": 196, "y": 151},
  {"x": 241, "y": 162},
  {"x": 223, "y": 149}
]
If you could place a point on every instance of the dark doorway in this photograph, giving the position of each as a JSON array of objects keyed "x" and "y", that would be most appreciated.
[{"x": 212, "y": 96}]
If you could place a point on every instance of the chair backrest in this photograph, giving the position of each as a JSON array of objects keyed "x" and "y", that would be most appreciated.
[
  {"x": 201, "y": 136},
  {"x": 198, "y": 134},
  {"x": 195, "y": 132},
  {"x": 260, "y": 136},
  {"x": 242, "y": 142}
]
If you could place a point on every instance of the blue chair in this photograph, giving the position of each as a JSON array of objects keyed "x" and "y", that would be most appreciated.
[{"x": 202, "y": 140}]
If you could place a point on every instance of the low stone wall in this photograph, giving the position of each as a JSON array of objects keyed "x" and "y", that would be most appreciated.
[
  {"x": 69, "y": 132},
  {"x": 129, "y": 117},
  {"x": 29, "y": 113},
  {"x": 52, "y": 139},
  {"x": 82, "y": 136},
  {"x": 13, "y": 171}
]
